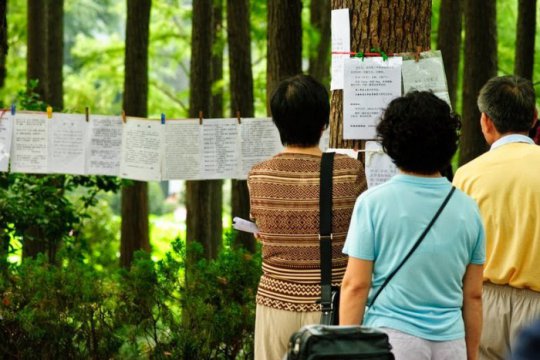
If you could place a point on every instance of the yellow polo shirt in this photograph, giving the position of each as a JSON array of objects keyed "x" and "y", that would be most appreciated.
[{"x": 505, "y": 182}]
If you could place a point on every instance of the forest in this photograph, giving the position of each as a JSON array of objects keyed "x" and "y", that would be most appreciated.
[{"x": 102, "y": 267}]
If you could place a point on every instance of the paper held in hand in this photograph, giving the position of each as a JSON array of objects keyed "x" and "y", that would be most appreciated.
[{"x": 244, "y": 225}]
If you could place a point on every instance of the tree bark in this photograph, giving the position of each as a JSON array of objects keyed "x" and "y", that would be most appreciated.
[
  {"x": 391, "y": 25},
  {"x": 36, "y": 57},
  {"x": 239, "y": 41},
  {"x": 134, "y": 233},
  {"x": 3, "y": 41},
  {"x": 201, "y": 217},
  {"x": 480, "y": 65},
  {"x": 319, "y": 52},
  {"x": 526, "y": 28},
  {"x": 284, "y": 46},
  {"x": 55, "y": 53},
  {"x": 449, "y": 42}
]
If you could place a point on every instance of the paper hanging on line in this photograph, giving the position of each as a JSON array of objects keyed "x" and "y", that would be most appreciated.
[
  {"x": 244, "y": 225},
  {"x": 379, "y": 166},
  {"x": 349, "y": 152},
  {"x": 30, "y": 142},
  {"x": 104, "y": 145},
  {"x": 6, "y": 133},
  {"x": 259, "y": 141},
  {"x": 426, "y": 74},
  {"x": 182, "y": 158},
  {"x": 341, "y": 42},
  {"x": 370, "y": 84},
  {"x": 219, "y": 149},
  {"x": 66, "y": 144},
  {"x": 141, "y": 150}
]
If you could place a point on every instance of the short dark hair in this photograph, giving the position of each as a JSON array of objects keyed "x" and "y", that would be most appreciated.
[
  {"x": 510, "y": 103},
  {"x": 419, "y": 132},
  {"x": 300, "y": 109}
]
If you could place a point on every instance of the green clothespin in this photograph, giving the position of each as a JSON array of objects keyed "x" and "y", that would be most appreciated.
[{"x": 360, "y": 55}]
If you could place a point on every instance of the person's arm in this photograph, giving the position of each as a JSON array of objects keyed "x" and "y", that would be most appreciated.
[
  {"x": 354, "y": 291},
  {"x": 472, "y": 308}
]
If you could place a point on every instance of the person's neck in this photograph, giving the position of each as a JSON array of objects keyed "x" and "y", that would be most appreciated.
[
  {"x": 310, "y": 150},
  {"x": 436, "y": 174}
]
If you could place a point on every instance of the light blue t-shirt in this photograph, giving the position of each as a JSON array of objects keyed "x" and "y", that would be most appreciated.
[{"x": 425, "y": 297}]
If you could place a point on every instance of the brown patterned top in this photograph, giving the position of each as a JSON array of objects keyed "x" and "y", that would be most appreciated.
[{"x": 284, "y": 198}]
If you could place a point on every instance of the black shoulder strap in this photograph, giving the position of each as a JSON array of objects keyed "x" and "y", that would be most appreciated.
[
  {"x": 443, "y": 205},
  {"x": 325, "y": 228}
]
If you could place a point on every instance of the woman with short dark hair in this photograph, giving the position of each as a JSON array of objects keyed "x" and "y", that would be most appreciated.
[
  {"x": 431, "y": 308},
  {"x": 284, "y": 199}
]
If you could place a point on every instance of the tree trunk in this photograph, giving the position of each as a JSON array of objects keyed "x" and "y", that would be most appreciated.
[
  {"x": 526, "y": 27},
  {"x": 134, "y": 234},
  {"x": 449, "y": 42},
  {"x": 200, "y": 195},
  {"x": 55, "y": 53},
  {"x": 284, "y": 47},
  {"x": 480, "y": 65},
  {"x": 239, "y": 41},
  {"x": 391, "y": 25},
  {"x": 319, "y": 52},
  {"x": 3, "y": 41},
  {"x": 36, "y": 57}
]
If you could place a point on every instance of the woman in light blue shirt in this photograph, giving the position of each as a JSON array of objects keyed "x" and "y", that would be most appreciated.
[{"x": 432, "y": 308}]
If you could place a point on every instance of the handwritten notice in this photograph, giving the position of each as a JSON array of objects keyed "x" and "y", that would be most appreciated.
[
  {"x": 426, "y": 75},
  {"x": 379, "y": 166},
  {"x": 141, "y": 150},
  {"x": 30, "y": 140},
  {"x": 341, "y": 42},
  {"x": 103, "y": 146},
  {"x": 6, "y": 132},
  {"x": 219, "y": 148},
  {"x": 259, "y": 140},
  {"x": 67, "y": 135},
  {"x": 182, "y": 158},
  {"x": 370, "y": 84}
]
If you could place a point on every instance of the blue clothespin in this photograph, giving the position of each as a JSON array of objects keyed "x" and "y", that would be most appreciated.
[
  {"x": 13, "y": 109},
  {"x": 163, "y": 118}
]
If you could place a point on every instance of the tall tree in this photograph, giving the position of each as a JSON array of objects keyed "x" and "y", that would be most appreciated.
[
  {"x": 134, "y": 234},
  {"x": 201, "y": 216},
  {"x": 526, "y": 28},
  {"x": 284, "y": 49},
  {"x": 449, "y": 42},
  {"x": 36, "y": 64},
  {"x": 239, "y": 41},
  {"x": 55, "y": 53},
  {"x": 3, "y": 41},
  {"x": 391, "y": 25},
  {"x": 319, "y": 52},
  {"x": 480, "y": 65}
]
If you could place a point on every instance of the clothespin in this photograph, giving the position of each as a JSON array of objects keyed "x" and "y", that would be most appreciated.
[
  {"x": 238, "y": 117},
  {"x": 87, "y": 114},
  {"x": 123, "y": 116},
  {"x": 360, "y": 55},
  {"x": 49, "y": 112},
  {"x": 200, "y": 117},
  {"x": 13, "y": 109},
  {"x": 163, "y": 118},
  {"x": 417, "y": 53}
]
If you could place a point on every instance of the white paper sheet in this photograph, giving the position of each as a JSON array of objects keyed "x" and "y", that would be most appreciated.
[
  {"x": 349, "y": 152},
  {"x": 370, "y": 84},
  {"x": 182, "y": 157},
  {"x": 379, "y": 166},
  {"x": 141, "y": 150},
  {"x": 104, "y": 145},
  {"x": 324, "y": 143},
  {"x": 426, "y": 74},
  {"x": 6, "y": 133},
  {"x": 66, "y": 144},
  {"x": 219, "y": 148},
  {"x": 341, "y": 42},
  {"x": 259, "y": 140},
  {"x": 29, "y": 148}
]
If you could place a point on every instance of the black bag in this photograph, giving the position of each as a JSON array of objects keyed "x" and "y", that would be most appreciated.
[{"x": 339, "y": 342}]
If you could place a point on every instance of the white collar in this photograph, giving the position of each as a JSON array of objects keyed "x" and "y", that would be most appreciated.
[{"x": 512, "y": 138}]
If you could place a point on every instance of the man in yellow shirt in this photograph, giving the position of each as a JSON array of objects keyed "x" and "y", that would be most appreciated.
[{"x": 505, "y": 182}]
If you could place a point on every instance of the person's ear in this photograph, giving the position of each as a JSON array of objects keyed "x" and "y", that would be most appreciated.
[{"x": 488, "y": 128}]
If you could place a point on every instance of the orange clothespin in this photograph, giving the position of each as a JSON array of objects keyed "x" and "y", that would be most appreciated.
[
  {"x": 49, "y": 112},
  {"x": 238, "y": 117},
  {"x": 123, "y": 116},
  {"x": 200, "y": 117},
  {"x": 87, "y": 114},
  {"x": 417, "y": 53}
]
